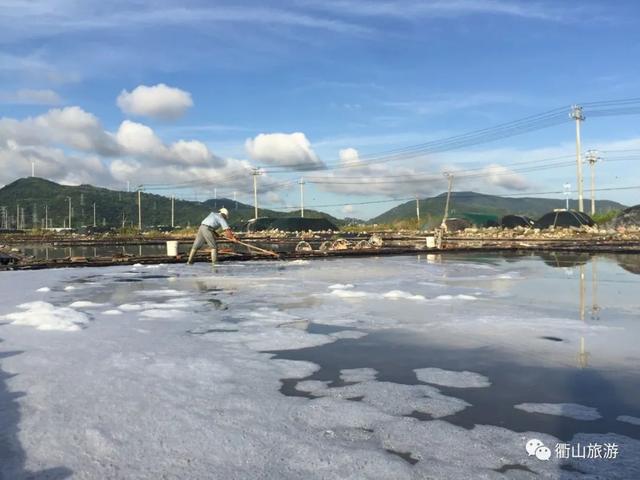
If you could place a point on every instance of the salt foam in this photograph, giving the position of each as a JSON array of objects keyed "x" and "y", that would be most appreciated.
[
  {"x": 449, "y": 378},
  {"x": 45, "y": 316},
  {"x": 570, "y": 410}
]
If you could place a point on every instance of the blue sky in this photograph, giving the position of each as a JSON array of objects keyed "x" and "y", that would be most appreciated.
[{"x": 208, "y": 90}]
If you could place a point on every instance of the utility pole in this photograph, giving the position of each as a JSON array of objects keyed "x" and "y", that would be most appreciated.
[
  {"x": 578, "y": 116},
  {"x": 46, "y": 216},
  {"x": 301, "y": 182},
  {"x": 33, "y": 168},
  {"x": 140, "y": 208},
  {"x": 215, "y": 197},
  {"x": 17, "y": 216},
  {"x": 69, "y": 199},
  {"x": 255, "y": 173},
  {"x": 418, "y": 210},
  {"x": 94, "y": 214},
  {"x": 446, "y": 207},
  {"x": 173, "y": 210},
  {"x": 567, "y": 192},
  {"x": 128, "y": 186},
  {"x": 593, "y": 158}
]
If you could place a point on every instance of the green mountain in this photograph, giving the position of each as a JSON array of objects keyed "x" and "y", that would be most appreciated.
[
  {"x": 480, "y": 207},
  {"x": 37, "y": 198}
]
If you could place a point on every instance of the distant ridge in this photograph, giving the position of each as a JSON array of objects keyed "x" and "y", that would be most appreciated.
[
  {"x": 115, "y": 208},
  {"x": 481, "y": 204}
]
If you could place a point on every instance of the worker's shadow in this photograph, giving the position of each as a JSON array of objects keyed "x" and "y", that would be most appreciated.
[{"x": 12, "y": 455}]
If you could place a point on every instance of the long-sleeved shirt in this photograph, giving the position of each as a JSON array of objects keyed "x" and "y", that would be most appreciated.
[{"x": 215, "y": 220}]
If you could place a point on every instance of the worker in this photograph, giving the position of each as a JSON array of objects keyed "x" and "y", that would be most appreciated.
[{"x": 207, "y": 233}]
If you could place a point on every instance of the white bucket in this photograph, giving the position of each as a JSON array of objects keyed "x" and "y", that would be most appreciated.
[
  {"x": 172, "y": 248},
  {"x": 431, "y": 241}
]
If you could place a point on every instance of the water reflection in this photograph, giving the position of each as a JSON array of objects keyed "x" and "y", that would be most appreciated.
[
  {"x": 629, "y": 261},
  {"x": 596, "y": 289},
  {"x": 50, "y": 252},
  {"x": 565, "y": 259}
]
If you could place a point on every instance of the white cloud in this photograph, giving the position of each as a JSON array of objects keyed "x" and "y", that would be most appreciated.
[
  {"x": 503, "y": 177},
  {"x": 70, "y": 145},
  {"x": 291, "y": 150},
  {"x": 31, "y": 19},
  {"x": 31, "y": 97},
  {"x": 349, "y": 156},
  {"x": 69, "y": 126},
  {"x": 232, "y": 175},
  {"x": 192, "y": 152},
  {"x": 446, "y": 103},
  {"x": 139, "y": 140},
  {"x": 409, "y": 9},
  {"x": 274, "y": 199},
  {"x": 53, "y": 163},
  {"x": 348, "y": 209},
  {"x": 33, "y": 67},
  {"x": 158, "y": 101},
  {"x": 359, "y": 178},
  {"x": 395, "y": 181}
]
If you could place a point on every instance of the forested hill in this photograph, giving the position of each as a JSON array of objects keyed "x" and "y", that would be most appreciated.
[
  {"x": 481, "y": 204},
  {"x": 114, "y": 208}
]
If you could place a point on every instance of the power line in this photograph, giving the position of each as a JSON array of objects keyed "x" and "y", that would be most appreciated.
[
  {"x": 476, "y": 137},
  {"x": 504, "y": 130},
  {"x": 527, "y": 124},
  {"x": 465, "y": 195}
]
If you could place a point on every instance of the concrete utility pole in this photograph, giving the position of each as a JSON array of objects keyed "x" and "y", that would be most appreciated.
[
  {"x": 33, "y": 168},
  {"x": 593, "y": 158},
  {"x": 255, "y": 173},
  {"x": 301, "y": 182},
  {"x": 140, "y": 207},
  {"x": 446, "y": 207},
  {"x": 17, "y": 216},
  {"x": 69, "y": 199},
  {"x": 173, "y": 210},
  {"x": 46, "y": 216},
  {"x": 578, "y": 116},
  {"x": 94, "y": 214},
  {"x": 418, "y": 210}
]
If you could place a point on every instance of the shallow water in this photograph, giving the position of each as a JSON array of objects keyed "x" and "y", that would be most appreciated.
[
  {"x": 598, "y": 291},
  {"x": 199, "y": 353},
  {"x": 51, "y": 252}
]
